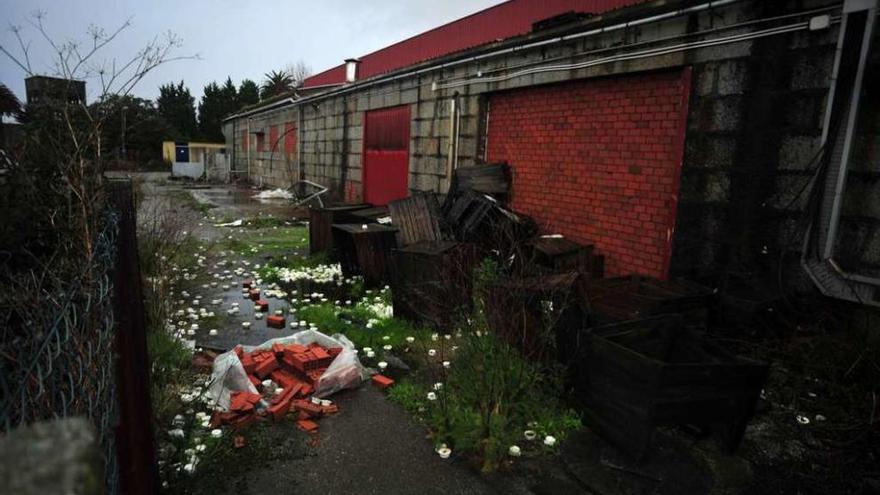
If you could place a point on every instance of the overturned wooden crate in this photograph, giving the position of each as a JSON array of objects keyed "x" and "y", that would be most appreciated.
[
  {"x": 321, "y": 222},
  {"x": 637, "y": 375},
  {"x": 431, "y": 282},
  {"x": 636, "y": 296},
  {"x": 364, "y": 249},
  {"x": 417, "y": 218}
]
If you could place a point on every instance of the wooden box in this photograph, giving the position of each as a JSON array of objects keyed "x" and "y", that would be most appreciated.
[
  {"x": 431, "y": 282},
  {"x": 637, "y": 375},
  {"x": 364, "y": 251},
  {"x": 321, "y": 221}
]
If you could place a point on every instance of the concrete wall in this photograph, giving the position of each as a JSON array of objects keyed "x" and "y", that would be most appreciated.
[{"x": 754, "y": 122}]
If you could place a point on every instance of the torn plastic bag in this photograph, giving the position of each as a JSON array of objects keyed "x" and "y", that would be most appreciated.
[{"x": 345, "y": 371}]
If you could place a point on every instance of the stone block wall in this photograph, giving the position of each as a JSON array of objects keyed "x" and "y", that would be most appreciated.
[{"x": 753, "y": 126}]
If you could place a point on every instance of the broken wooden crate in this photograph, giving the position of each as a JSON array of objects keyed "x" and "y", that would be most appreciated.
[
  {"x": 431, "y": 282},
  {"x": 637, "y": 375},
  {"x": 488, "y": 179},
  {"x": 636, "y": 296},
  {"x": 480, "y": 219},
  {"x": 533, "y": 313},
  {"x": 321, "y": 222},
  {"x": 557, "y": 253},
  {"x": 417, "y": 218},
  {"x": 364, "y": 249}
]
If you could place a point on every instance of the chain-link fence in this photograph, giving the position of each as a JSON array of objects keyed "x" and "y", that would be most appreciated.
[{"x": 58, "y": 358}]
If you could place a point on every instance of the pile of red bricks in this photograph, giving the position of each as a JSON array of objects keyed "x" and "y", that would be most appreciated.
[{"x": 293, "y": 367}]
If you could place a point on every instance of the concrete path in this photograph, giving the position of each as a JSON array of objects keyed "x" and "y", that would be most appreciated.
[{"x": 370, "y": 447}]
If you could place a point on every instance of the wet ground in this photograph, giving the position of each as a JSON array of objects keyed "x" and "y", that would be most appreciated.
[{"x": 372, "y": 445}]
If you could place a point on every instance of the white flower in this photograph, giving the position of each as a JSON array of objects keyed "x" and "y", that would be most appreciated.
[
  {"x": 444, "y": 452},
  {"x": 410, "y": 339},
  {"x": 201, "y": 447},
  {"x": 446, "y": 364},
  {"x": 435, "y": 336},
  {"x": 514, "y": 451},
  {"x": 438, "y": 386},
  {"x": 432, "y": 352},
  {"x": 368, "y": 349},
  {"x": 530, "y": 435},
  {"x": 175, "y": 433},
  {"x": 549, "y": 441},
  {"x": 189, "y": 468},
  {"x": 386, "y": 337},
  {"x": 447, "y": 336},
  {"x": 369, "y": 324},
  {"x": 387, "y": 347},
  {"x": 217, "y": 433},
  {"x": 371, "y": 354},
  {"x": 382, "y": 365},
  {"x": 432, "y": 396}
]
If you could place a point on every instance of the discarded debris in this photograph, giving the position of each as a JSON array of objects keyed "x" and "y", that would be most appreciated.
[
  {"x": 236, "y": 223},
  {"x": 274, "y": 194},
  {"x": 280, "y": 376}
]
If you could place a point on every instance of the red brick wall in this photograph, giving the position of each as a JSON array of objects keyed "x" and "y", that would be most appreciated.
[{"x": 599, "y": 162}]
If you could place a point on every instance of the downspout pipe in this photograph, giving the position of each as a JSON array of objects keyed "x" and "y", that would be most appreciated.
[{"x": 839, "y": 130}]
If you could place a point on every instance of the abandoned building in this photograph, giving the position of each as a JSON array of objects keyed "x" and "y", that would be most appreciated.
[{"x": 676, "y": 137}]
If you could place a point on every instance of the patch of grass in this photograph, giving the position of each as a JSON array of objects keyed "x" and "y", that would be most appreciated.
[
  {"x": 410, "y": 396},
  {"x": 170, "y": 365},
  {"x": 352, "y": 321},
  {"x": 267, "y": 242}
]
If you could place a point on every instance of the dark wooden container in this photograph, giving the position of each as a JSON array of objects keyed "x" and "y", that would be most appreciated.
[
  {"x": 637, "y": 375},
  {"x": 364, "y": 251},
  {"x": 431, "y": 282},
  {"x": 635, "y": 296},
  {"x": 370, "y": 215},
  {"x": 321, "y": 221},
  {"x": 538, "y": 314}
]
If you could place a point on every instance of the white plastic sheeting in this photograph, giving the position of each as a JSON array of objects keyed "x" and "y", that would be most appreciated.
[{"x": 344, "y": 372}]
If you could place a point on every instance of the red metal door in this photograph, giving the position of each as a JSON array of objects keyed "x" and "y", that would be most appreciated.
[{"x": 386, "y": 155}]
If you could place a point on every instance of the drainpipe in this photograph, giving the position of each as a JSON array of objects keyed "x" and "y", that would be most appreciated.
[
  {"x": 839, "y": 130},
  {"x": 249, "y": 148},
  {"x": 452, "y": 146}
]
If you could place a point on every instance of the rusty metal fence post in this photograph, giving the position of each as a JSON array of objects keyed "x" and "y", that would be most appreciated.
[{"x": 135, "y": 444}]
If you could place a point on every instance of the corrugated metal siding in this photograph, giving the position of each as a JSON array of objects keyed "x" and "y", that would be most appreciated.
[{"x": 499, "y": 22}]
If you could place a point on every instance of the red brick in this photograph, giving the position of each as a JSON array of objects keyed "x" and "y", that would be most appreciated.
[
  {"x": 382, "y": 381},
  {"x": 307, "y": 425},
  {"x": 307, "y": 406},
  {"x": 247, "y": 284},
  {"x": 254, "y": 294},
  {"x": 262, "y": 305},
  {"x": 266, "y": 367},
  {"x": 238, "y": 441},
  {"x": 249, "y": 364},
  {"x": 275, "y": 321}
]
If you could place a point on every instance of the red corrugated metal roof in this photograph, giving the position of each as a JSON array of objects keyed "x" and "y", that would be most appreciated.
[{"x": 501, "y": 21}]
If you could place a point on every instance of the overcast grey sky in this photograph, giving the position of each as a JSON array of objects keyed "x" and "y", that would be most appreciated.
[{"x": 241, "y": 39}]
